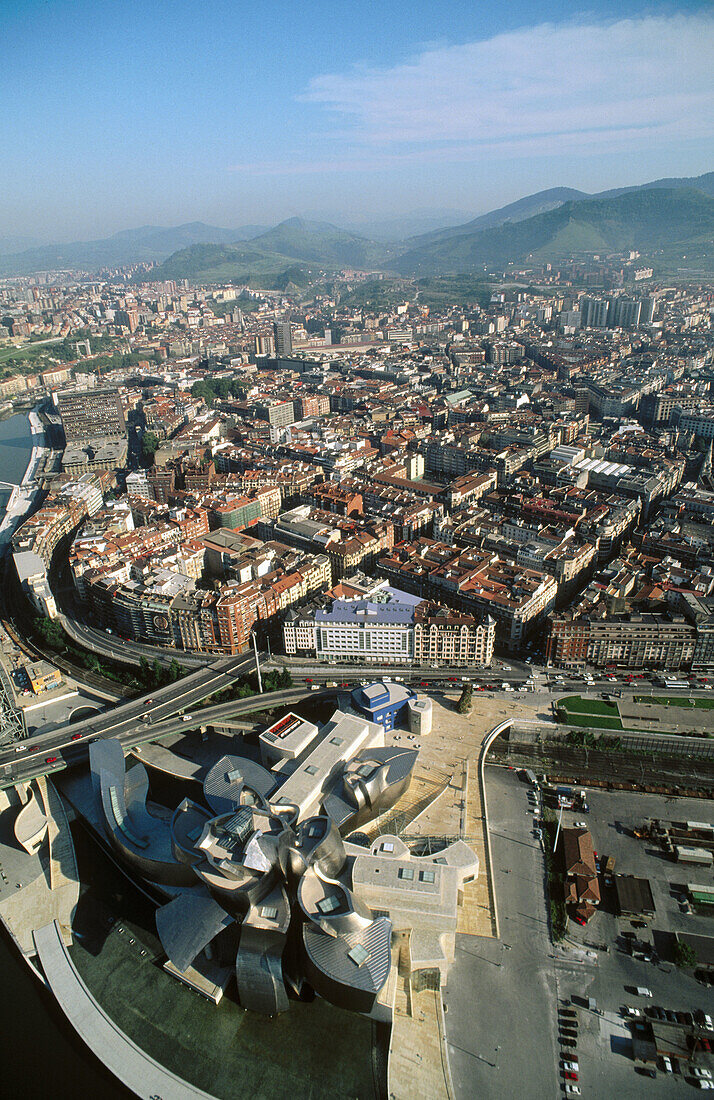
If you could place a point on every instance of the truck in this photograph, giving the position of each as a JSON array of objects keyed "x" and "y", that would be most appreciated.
[
  {"x": 683, "y": 854},
  {"x": 610, "y": 865}
]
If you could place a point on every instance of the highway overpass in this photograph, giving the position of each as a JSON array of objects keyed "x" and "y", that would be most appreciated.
[{"x": 42, "y": 754}]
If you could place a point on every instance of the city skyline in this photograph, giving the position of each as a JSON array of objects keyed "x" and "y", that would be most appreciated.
[{"x": 111, "y": 123}]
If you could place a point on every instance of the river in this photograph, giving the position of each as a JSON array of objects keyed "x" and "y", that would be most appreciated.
[
  {"x": 41, "y": 1054},
  {"x": 16, "y": 443}
]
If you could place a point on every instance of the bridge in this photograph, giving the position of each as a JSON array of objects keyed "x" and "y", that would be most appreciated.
[{"x": 140, "y": 719}]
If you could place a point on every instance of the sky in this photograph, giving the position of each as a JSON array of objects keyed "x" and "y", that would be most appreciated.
[{"x": 120, "y": 114}]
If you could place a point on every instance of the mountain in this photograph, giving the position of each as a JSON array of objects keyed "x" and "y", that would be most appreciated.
[
  {"x": 148, "y": 243},
  {"x": 321, "y": 243},
  {"x": 647, "y": 220},
  {"x": 538, "y": 203},
  {"x": 9, "y": 245},
  {"x": 703, "y": 183},
  {"x": 292, "y": 242},
  {"x": 401, "y": 227},
  {"x": 542, "y": 201}
]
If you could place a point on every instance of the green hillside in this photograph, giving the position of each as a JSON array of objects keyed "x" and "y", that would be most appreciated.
[
  {"x": 321, "y": 243},
  {"x": 650, "y": 221},
  {"x": 287, "y": 247}
]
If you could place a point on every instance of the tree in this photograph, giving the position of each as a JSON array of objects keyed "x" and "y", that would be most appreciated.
[
  {"x": 464, "y": 704},
  {"x": 51, "y": 632},
  {"x": 149, "y": 446},
  {"x": 684, "y": 955}
]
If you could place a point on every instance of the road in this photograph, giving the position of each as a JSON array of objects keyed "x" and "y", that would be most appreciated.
[
  {"x": 500, "y": 997},
  {"x": 30, "y": 757}
]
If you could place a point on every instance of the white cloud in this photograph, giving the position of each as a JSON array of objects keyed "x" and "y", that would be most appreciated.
[{"x": 551, "y": 88}]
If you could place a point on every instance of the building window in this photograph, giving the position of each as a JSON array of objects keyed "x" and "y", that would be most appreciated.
[
  {"x": 329, "y": 904},
  {"x": 358, "y": 954},
  {"x": 270, "y": 912},
  {"x": 427, "y": 876},
  {"x": 387, "y": 846},
  {"x": 406, "y": 873},
  {"x": 337, "y": 740},
  {"x": 311, "y": 769}
]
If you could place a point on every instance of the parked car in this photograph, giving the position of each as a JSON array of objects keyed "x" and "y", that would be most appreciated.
[
  {"x": 50, "y": 760},
  {"x": 569, "y": 1064}
]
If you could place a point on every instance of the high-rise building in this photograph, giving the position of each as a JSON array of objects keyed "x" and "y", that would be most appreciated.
[
  {"x": 91, "y": 415},
  {"x": 283, "y": 338}
]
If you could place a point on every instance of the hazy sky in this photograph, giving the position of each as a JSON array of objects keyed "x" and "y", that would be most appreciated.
[{"x": 116, "y": 114}]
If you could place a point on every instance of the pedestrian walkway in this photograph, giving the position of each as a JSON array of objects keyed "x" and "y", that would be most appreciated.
[{"x": 122, "y": 1057}]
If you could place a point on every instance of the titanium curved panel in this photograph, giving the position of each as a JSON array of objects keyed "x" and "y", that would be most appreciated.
[
  {"x": 259, "y": 971},
  {"x": 335, "y": 975},
  {"x": 187, "y": 924}
]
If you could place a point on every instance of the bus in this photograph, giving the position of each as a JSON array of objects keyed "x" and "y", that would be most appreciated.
[{"x": 676, "y": 684}]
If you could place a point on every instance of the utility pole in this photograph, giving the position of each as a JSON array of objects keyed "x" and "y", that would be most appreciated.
[{"x": 257, "y": 662}]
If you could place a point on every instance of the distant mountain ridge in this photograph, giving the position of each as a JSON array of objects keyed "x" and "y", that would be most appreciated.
[
  {"x": 531, "y": 226},
  {"x": 146, "y": 244},
  {"x": 645, "y": 219}
]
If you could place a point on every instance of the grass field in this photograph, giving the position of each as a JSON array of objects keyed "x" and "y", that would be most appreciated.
[{"x": 575, "y": 704}]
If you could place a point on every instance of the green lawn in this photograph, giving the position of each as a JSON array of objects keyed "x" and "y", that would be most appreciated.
[
  {"x": 675, "y": 701},
  {"x": 594, "y": 721},
  {"x": 575, "y": 704}
]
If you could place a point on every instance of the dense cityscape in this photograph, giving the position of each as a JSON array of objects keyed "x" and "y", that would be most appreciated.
[{"x": 357, "y": 550}]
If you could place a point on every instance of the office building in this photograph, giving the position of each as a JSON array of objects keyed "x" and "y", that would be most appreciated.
[{"x": 91, "y": 415}]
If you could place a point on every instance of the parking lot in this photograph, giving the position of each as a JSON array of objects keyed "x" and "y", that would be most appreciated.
[
  {"x": 505, "y": 999},
  {"x": 610, "y": 974}
]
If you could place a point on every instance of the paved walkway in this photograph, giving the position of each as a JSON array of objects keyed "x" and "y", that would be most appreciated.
[
  {"x": 448, "y": 766},
  {"x": 122, "y": 1057}
]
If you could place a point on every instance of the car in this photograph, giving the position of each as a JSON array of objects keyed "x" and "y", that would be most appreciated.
[
  {"x": 687, "y": 1018},
  {"x": 308, "y": 680},
  {"x": 344, "y": 684},
  {"x": 660, "y": 1013},
  {"x": 147, "y": 701},
  {"x": 50, "y": 760},
  {"x": 671, "y": 1016},
  {"x": 705, "y": 1044},
  {"x": 701, "y": 1072},
  {"x": 580, "y": 824},
  {"x": 506, "y": 668},
  {"x": 572, "y": 1090},
  {"x": 570, "y": 1075},
  {"x": 633, "y": 1013},
  {"x": 703, "y": 1083},
  {"x": 646, "y": 1071},
  {"x": 681, "y": 1017},
  {"x": 704, "y": 1020},
  {"x": 570, "y": 1065},
  {"x": 185, "y": 717},
  {"x": 566, "y": 1042},
  {"x": 76, "y": 736},
  {"x": 453, "y": 679},
  {"x": 424, "y": 683},
  {"x": 666, "y": 1064}
]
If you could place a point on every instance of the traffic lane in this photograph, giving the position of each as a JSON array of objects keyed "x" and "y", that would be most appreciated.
[
  {"x": 101, "y": 724},
  {"x": 129, "y": 726},
  {"x": 501, "y": 995},
  {"x": 26, "y": 767}
]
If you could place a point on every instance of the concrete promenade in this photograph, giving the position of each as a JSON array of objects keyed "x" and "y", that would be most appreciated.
[{"x": 122, "y": 1057}]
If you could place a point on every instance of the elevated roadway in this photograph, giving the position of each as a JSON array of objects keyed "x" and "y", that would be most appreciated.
[{"x": 42, "y": 754}]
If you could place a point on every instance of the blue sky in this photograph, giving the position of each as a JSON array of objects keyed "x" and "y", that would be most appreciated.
[{"x": 119, "y": 114}]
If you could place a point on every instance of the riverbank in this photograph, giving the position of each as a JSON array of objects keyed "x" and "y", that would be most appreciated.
[{"x": 23, "y": 494}]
